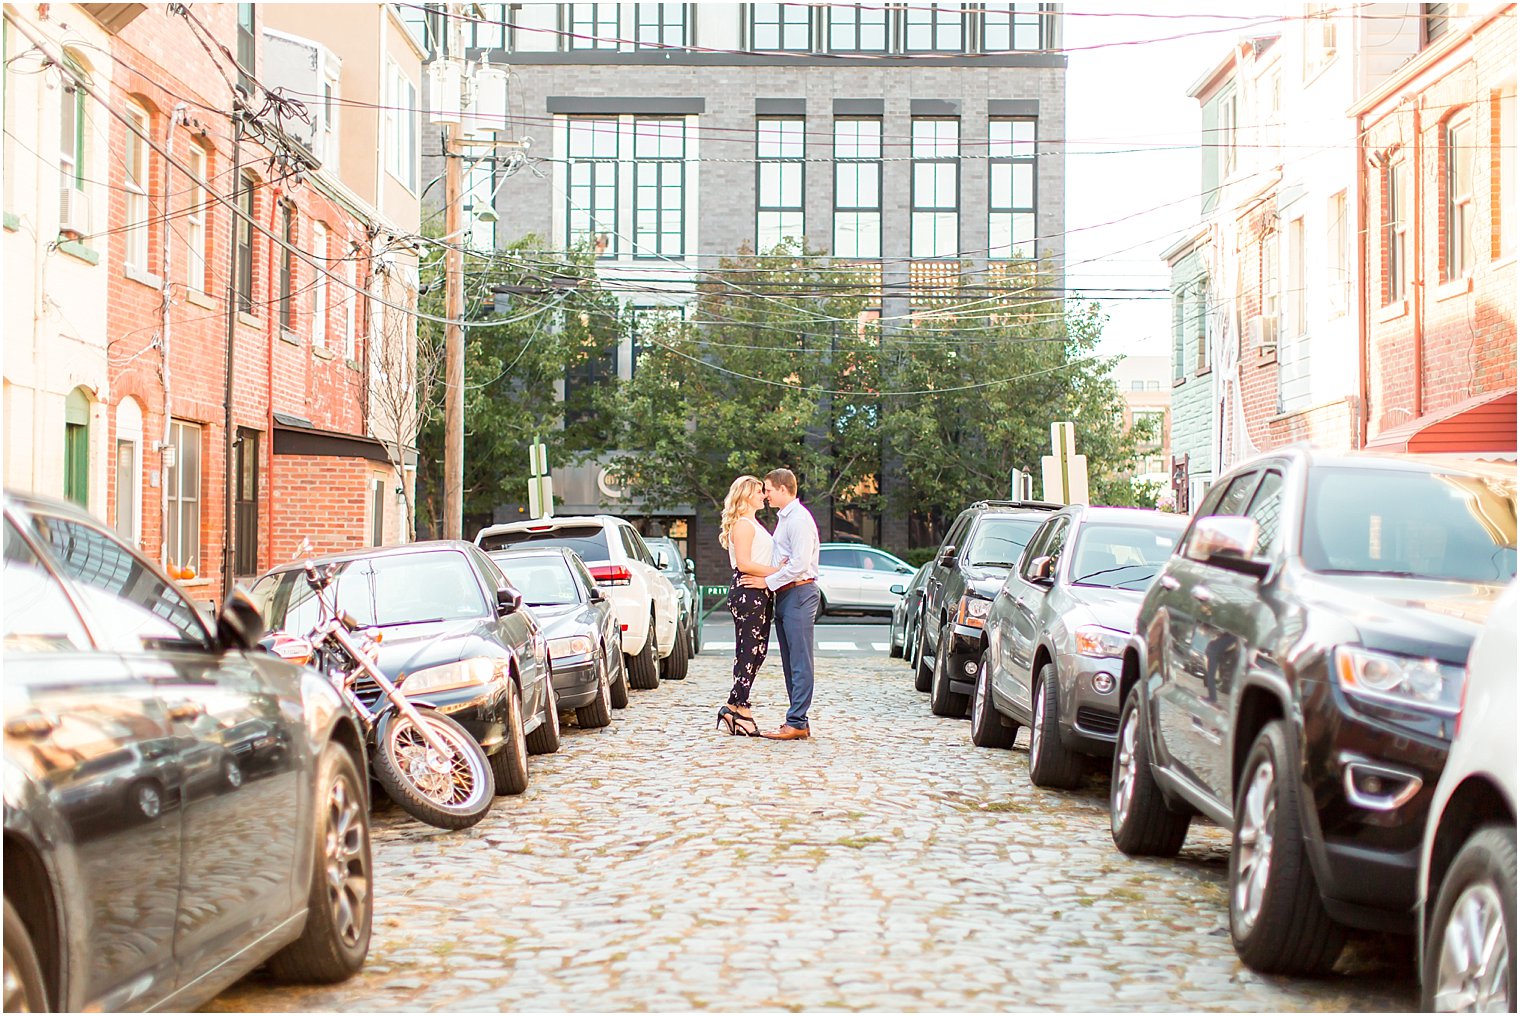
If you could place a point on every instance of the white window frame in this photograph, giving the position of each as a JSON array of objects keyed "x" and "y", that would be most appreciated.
[
  {"x": 401, "y": 154},
  {"x": 1296, "y": 301},
  {"x": 195, "y": 221},
  {"x": 1458, "y": 189},
  {"x": 182, "y": 505},
  {"x": 136, "y": 181},
  {"x": 319, "y": 244}
]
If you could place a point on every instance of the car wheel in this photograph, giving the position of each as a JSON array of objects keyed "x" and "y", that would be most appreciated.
[
  {"x": 923, "y": 666},
  {"x": 895, "y": 644},
  {"x": 340, "y": 900},
  {"x": 619, "y": 694},
  {"x": 597, "y": 712},
  {"x": 823, "y": 607},
  {"x": 510, "y": 763},
  {"x": 695, "y": 628},
  {"x": 1277, "y": 918},
  {"x": 910, "y": 643},
  {"x": 1142, "y": 823},
  {"x": 943, "y": 701},
  {"x": 148, "y": 799},
  {"x": 232, "y": 773},
  {"x": 545, "y": 737},
  {"x": 25, "y": 990},
  {"x": 988, "y": 727},
  {"x": 1051, "y": 763},
  {"x": 643, "y": 670},
  {"x": 676, "y": 663},
  {"x": 1470, "y": 951}
]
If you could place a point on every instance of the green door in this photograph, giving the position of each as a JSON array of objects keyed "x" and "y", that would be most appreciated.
[{"x": 76, "y": 448}]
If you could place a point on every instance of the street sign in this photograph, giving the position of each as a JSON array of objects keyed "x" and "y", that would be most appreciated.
[
  {"x": 1065, "y": 472},
  {"x": 540, "y": 484},
  {"x": 714, "y": 590}
]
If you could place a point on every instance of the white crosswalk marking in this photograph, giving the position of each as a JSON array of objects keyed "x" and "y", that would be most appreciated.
[
  {"x": 715, "y": 644},
  {"x": 880, "y": 647},
  {"x": 837, "y": 645}
]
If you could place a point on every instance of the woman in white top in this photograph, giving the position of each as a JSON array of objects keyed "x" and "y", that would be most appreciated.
[{"x": 749, "y": 552}]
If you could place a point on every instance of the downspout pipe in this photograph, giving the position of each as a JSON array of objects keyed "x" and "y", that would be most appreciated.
[
  {"x": 1417, "y": 298},
  {"x": 229, "y": 488},
  {"x": 177, "y": 118},
  {"x": 1365, "y": 276}
]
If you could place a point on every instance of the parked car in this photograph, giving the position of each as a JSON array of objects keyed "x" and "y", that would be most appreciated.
[
  {"x": 1296, "y": 675},
  {"x": 622, "y": 564},
  {"x": 180, "y": 806},
  {"x": 967, "y": 571},
  {"x": 584, "y": 638},
  {"x": 453, "y": 636},
  {"x": 1056, "y": 631},
  {"x": 682, "y": 573},
  {"x": 905, "y": 611},
  {"x": 1467, "y": 864},
  {"x": 855, "y": 577}
]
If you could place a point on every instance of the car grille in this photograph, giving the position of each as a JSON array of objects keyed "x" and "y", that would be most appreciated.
[{"x": 1098, "y": 721}]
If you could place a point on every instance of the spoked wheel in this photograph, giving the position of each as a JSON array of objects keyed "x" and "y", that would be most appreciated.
[
  {"x": 1470, "y": 951},
  {"x": 451, "y": 789},
  {"x": 598, "y": 712}
]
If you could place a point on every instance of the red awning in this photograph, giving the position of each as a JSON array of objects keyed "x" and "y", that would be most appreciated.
[{"x": 1484, "y": 423}]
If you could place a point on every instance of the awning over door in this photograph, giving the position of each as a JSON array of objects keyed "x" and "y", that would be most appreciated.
[{"x": 1484, "y": 423}]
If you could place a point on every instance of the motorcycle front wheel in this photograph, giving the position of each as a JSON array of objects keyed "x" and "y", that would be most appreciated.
[{"x": 452, "y": 790}]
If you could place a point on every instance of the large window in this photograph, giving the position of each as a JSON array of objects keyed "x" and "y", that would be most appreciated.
[
  {"x": 129, "y": 439},
  {"x": 659, "y": 25},
  {"x": 135, "y": 228},
  {"x": 1011, "y": 203},
  {"x": 1271, "y": 277},
  {"x": 195, "y": 221},
  {"x": 1460, "y": 141},
  {"x": 779, "y": 148},
  {"x": 401, "y": 126},
  {"x": 593, "y": 174},
  {"x": 858, "y": 28},
  {"x": 1395, "y": 228},
  {"x": 319, "y": 286},
  {"x": 182, "y": 476},
  {"x": 659, "y": 188},
  {"x": 936, "y": 189},
  {"x": 245, "y": 246},
  {"x": 1011, "y": 27},
  {"x": 593, "y": 26},
  {"x": 1298, "y": 291},
  {"x": 857, "y": 188},
  {"x": 935, "y": 25},
  {"x": 287, "y": 266},
  {"x": 781, "y": 27},
  {"x": 1319, "y": 37},
  {"x": 1179, "y": 333},
  {"x": 247, "y": 38},
  {"x": 70, "y": 139}
]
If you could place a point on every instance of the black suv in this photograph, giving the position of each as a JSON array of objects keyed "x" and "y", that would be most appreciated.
[
  {"x": 1296, "y": 675},
  {"x": 968, "y": 569}
]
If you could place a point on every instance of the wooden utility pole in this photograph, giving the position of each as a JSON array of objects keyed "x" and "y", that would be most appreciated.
[{"x": 453, "y": 333}]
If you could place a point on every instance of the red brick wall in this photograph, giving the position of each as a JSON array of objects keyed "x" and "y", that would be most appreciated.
[{"x": 322, "y": 499}]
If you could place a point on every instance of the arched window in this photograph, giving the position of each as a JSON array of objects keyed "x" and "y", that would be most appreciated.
[
  {"x": 129, "y": 440},
  {"x": 76, "y": 447}
]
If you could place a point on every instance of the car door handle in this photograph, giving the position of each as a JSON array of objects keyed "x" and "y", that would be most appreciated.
[
  {"x": 1167, "y": 582},
  {"x": 30, "y": 725},
  {"x": 1202, "y": 594},
  {"x": 186, "y": 711}
]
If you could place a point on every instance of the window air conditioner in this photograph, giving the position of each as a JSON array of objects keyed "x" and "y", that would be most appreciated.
[
  {"x": 73, "y": 212},
  {"x": 1264, "y": 331}
]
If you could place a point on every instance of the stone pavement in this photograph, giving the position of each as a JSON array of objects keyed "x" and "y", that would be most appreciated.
[{"x": 887, "y": 864}]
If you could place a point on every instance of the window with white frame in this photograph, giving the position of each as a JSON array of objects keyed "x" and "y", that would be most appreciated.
[
  {"x": 1225, "y": 138},
  {"x": 934, "y": 26},
  {"x": 1011, "y": 201},
  {"x": 858, "y": 28},
  {"x": 71, "y": 122},
  {"x": 401, "y": 126},
  {"x": 1179, "y": 333},
  {"x": 1319, "y": 37},
  {"x": 1458, "y": 155},
  {"x": 195, "y": 220},
  {"x": 135, "y": 228},
  {"x": 1395, "y": 228},
  {"x": 1339, "y": 255},
  {"x": 592, "y": 148},
  {"x": 1008, "y": 27},
  {"x": 935, "y": 231},
  {"x": 781, "y": 27},
  {"x": 593, "y": 26},
  {"x": 1271, "y": 277},
  {"x": 182, "y": 477},
  {"x": 1298, "y": 290},
  {"x": 857, "y": 188},
  {"x": 659, "y": 26},
  {"x": 319, "y": 285},
  {"x": 779, "y": 151},
  {"x": 330, "y": 116},
  {"x": 659, "y": 187}
]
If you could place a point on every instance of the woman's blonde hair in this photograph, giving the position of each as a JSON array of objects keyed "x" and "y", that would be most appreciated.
[{"x": 740, "y": 491}]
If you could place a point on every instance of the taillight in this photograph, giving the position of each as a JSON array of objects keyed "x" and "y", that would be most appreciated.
[
  {"x": 611, "y": 575},
  {"x": 292, "y": 649}
]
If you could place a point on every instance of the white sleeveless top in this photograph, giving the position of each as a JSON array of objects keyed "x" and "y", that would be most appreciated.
[{"x": 760, "y": 550}]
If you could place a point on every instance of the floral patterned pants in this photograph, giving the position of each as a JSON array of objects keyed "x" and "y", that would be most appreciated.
[{"x": 753, "y": 610}]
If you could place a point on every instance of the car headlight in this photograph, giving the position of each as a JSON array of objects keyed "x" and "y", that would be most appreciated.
[
  {"x": 1100, "y": 642},
  {"x": 571, "y": 645},
  {"x": 1403, "y": 680},
  {"x": 475, "y": 673},
  {"x": 973, "y": 612}
]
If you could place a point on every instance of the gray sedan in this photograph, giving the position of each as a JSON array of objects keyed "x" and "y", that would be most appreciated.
[{"x": 1056, "y": 632}]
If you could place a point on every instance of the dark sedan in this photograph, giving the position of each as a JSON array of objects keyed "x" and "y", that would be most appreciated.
[
  {"x": 180, "y": 806},
  {"x": 1296, "y": 675},
  {"x": 584, "y": 636},
  {"x": 450, "y": 637},
  {"x": 682, "y": 573},
  {"x": 905, "y": 613}
]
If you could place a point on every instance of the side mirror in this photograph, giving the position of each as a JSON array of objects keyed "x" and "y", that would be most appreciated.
[
  {"x": 947, "y": 555},
  {"x": 508, "y": 600},
  {"x": 239, "y": 625},
  {"x": 1227, "y": 541},
  {"x": 691, "y": 566},
  {"x": 660, "y": 561},
  {"x": 1042, "y": 570},
  {"x": 898, "y": 589},
  {"x": 597, "y": 596}
]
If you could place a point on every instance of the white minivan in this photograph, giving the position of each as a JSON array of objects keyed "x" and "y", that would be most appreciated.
[{"x": 647, "y": 605}]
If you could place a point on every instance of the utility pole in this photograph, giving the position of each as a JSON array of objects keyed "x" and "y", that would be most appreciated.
[{"x": 453, "y": 333}]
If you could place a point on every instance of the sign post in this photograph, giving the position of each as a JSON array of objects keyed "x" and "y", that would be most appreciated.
[
  {"x": 540, "y": 483},
  {"x": 1065, "y": 472}
]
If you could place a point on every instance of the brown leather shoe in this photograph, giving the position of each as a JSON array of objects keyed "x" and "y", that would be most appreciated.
[{"x": 785, "y": 733}]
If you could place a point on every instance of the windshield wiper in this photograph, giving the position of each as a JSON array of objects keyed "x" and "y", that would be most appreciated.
[
  {"x": 1105, "y": 571},
  {"x": 425, "y": 620},
  {"x": 992, "y": 564}
]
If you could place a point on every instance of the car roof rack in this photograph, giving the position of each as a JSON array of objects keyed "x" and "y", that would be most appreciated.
[{"x": 1016, "y": 504}]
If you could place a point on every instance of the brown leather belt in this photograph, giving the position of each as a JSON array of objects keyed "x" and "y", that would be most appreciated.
[{"x": 791, "y": 585}]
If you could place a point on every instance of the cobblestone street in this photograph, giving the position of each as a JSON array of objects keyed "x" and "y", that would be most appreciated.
[{"x": 887, "y": 864}]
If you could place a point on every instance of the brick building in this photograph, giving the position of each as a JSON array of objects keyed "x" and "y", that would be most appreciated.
[{"x": 1438, "y": 184}]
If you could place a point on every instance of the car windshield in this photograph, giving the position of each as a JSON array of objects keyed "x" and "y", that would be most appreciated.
[
  {"x": 1433, "y": 525},
  {"x": 999, "y": 542},
  {"x": 1121, "y": 556},
  {"x": 590, "y": 542},
  {"x": 404, "y": 589},
  {"x": 543, "y": 580}
]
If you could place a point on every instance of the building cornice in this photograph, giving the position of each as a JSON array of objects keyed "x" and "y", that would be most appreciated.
[{"x": 1423, "y": 62}]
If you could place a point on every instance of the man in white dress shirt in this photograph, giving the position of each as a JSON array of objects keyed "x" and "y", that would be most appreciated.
[{"x": 796, "y": 587}]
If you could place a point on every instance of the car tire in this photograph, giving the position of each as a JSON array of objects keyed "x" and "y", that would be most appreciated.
[
  {"x": 923, "y": 676},
  {"x": 1277, "y": 918},
  {"x": 1141, "y": 821},
  {"x": 510, "y": 763},
  {"x": 910, "y": 644},
  {"x": 1051, "y": 764},
  {"x": 895, "y": 645},
  {"x": 545, "y": 737},
  {"x": 28, "y": 993},
  {"x": 643, "y": 671},
  {"x": 340, "y": 900},
  {"x": 694, "y": 626},
  {"x": 823, "y": 607},
  {"x": 147, "y": 799},
  {"x": 943, "y": 701},
  {"x": 598, "y": 712},
  {"x": 619, "y": 694},
  {"x": 675, "y": 665},
  {"x": 988, "y": 727},
  {"x": 1476, "y": 895}
]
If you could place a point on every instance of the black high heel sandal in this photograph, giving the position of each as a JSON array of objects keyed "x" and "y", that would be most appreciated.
[
  {"x": 739, "y": 721},
  {"x": 726, "y": 717}
]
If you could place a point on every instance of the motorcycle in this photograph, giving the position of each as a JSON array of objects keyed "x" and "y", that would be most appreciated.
[{"x": 425, "y": 761}]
